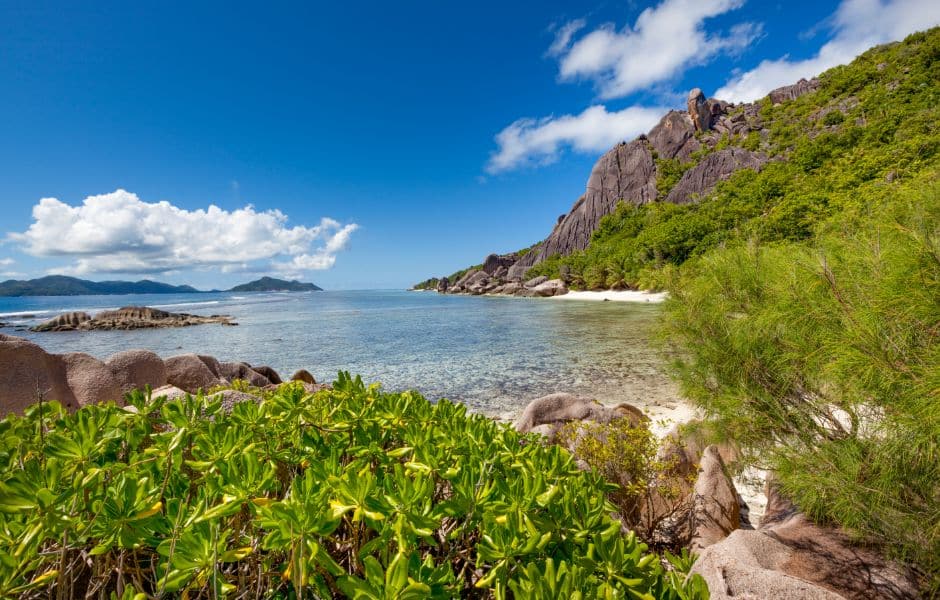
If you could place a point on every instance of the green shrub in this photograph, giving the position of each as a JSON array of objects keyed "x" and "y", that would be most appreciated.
[
  {"x": 350, "y": 492},
  {"x": 823, "y": 362}
]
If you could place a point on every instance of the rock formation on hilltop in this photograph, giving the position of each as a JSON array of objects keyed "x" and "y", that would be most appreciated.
[{"x": 632, "y": 172}]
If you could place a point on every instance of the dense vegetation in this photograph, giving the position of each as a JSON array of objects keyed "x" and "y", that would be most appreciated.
[
  {"x": 346, "y": 492},
  {"x": 822, "y": 361},
  {"x": 872, "y": 128}
]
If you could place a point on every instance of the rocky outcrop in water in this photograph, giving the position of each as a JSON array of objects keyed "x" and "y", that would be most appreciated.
[{"x": 129, "y": 317}]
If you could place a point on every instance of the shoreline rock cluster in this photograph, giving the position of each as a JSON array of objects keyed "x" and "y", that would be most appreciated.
[
  {"x": 128, "y": 317},
  {"x": 74, "y": 379},
  {"x": 785, "y": 556},
  {"x": 492, "y": 280}
]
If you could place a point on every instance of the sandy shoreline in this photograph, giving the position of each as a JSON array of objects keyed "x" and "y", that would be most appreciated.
[{"x": 615, "y": 296}]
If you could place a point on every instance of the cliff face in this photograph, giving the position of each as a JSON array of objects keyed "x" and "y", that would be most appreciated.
[
  {"x": 628, "y": 172},
  {"x": 634, "y": 172}
]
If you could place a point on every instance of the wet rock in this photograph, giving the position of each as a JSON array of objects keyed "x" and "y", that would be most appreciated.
[{"x": 65, "y": 322}]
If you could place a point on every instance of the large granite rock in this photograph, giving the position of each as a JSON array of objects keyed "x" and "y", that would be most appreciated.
[
  {"x": 129, "y": 317},
  {"x": 304, "y": 376},
  {"x": 699, "y": 110},
  {"x": 716, "y": 509},
  {"x": 28, "y": 373},
  {"x": 136, "y": 369},
  {"x": 191, "y": 373},
  {"x": 69, "y": 321},
  {"x": 548, "y": 414},
  {"x": 626, "y": 172},
  {"x": 89, "y": 379},
  {"x": 552, "y": 287},
  {"x": 701, "y": 179},
  {"x": 271, "y": 375},
  {"x": 230, "y": 371},
  {"x": 493, "y": 262},
  {"x": 796, "y": 560},
  {"x": 674, "y": 136}
]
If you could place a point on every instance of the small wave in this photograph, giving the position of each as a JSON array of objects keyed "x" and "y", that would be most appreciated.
[
  {"x": 238, "y": 297},
  {"x": 206, "y": 303},
  {"x": 25, "y": 313}
]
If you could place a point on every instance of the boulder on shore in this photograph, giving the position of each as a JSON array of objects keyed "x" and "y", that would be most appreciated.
[
  {"x": 69, "y": 321},
  {"x": 90, "y": 380},
  {"x": 552, "y": 287},
  {"x": 191, "y": 373},
  {"x": 304, "y": 376},
  {"x": 27, "y": 374},
  {"x": 716, "y": 509},
  {"x": 548, "y": 414},
  {"x": 136, "y": 369}
]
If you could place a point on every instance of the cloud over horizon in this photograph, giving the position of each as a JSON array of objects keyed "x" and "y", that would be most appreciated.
[
  {"x": 857, "y": 25},
  {"x": 119, "y": 233}
]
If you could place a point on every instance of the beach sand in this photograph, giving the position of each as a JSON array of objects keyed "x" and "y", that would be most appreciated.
[{"x": 615, "y": 296}]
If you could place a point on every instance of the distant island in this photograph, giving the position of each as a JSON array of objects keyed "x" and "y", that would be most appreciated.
[
  {"x": 270, "y": 284},
  {"x": 61, "y": 285}
]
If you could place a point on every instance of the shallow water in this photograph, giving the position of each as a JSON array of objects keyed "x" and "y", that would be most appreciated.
[{"x": 495, "y": 354}]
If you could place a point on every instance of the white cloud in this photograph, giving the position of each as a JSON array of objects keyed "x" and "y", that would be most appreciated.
[
  {"x": 6, "y": 262},
  {"x": 665, "y": 40},
  {"x": 563, "y": 36},
  {"x": 119, "y": 233},
  {"x": 531, "y": 141},
  {"x": 857, "y": 25}
]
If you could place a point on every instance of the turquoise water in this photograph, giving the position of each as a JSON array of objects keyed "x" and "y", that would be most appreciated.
[{"x": 495, "y": 354}]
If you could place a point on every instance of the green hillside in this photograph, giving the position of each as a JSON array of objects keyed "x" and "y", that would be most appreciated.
[{"x": 872, "y": 129}]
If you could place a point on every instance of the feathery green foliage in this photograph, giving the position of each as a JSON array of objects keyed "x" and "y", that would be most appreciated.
[
  {"x": 822, "y": 361},
  {"x": 349, "y": 492}
]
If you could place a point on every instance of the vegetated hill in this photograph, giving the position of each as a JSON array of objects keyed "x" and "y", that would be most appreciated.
[
  {"x": 270, "y": 284},
  {"x": 815, "y": 152},
  {"x": 61, "y": 285}
]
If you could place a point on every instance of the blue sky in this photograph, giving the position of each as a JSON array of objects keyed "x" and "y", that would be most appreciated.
[{"x": 395, "y": 140}]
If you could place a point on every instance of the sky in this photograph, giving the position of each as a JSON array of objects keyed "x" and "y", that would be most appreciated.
[{"x": 357, "y": 145}]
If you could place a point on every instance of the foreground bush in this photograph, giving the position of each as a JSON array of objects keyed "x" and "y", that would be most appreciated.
[
  {"x": 349, "y": 492},
  {"x": 823, "y": 362}
]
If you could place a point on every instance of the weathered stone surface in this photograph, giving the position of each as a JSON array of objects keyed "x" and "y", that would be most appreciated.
[
  {"x": 552, "y": 287},
  {"x": 230, "y": 371},
  {"x": 700, "y": 179},
  {"x": 65, "y": 322},
  {"x": 190, "y": 372},
  {"x": 443, "y": 284},
  {"x": 136, "y": 369},
  {"x": 699, "y": 111},
  {"x": 800, "y": 561},
  {"x": 129, "y": 317},
  {"x": 716, "y": 511},
  {"x": 90, "y": 380},
  {"x": 269, "y": 373},
  {"x": 626, "y": 172},
  {"x": 170, "y": 391},
  {"x": 549, "y": 413},
  {"x": 674, "y": 136},
  {"x": 304, "y": 376},
  {"x": 535, "y": 281},
  {"x": 494, "y": 261},
  {"x": 791, "y": 92},
  {"x": 28, "y": 372}
]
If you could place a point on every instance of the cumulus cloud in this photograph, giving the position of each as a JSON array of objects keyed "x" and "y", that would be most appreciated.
[
  {"x": 665, "y": 40},
  {"x": 539, "y": 141},
  {"x": 120, "y": 233},
  {"x": 6, "y": 262},
  {"x": 856, "y": 25}
]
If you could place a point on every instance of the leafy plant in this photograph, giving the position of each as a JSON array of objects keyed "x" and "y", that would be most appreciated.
[{"x": 349, "y": 492}]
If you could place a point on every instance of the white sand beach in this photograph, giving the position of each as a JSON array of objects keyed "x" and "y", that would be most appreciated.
[{"x": 615, "y": 296}]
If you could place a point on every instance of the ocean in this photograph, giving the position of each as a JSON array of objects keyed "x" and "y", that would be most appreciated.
[{"x": 494, "y": 354}]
